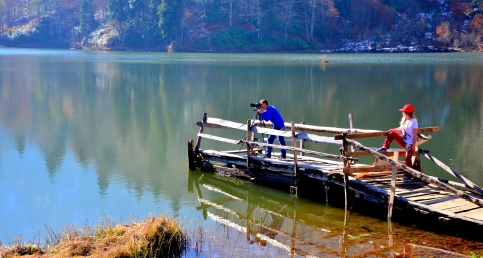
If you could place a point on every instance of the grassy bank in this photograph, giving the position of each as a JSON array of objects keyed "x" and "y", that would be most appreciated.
[{"x": 158, "y": 236}]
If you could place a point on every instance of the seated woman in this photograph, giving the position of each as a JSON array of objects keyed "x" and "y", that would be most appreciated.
[{"x": 405, "y": 135}]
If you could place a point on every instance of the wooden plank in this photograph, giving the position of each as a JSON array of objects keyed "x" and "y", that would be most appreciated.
[
  {"x": 221, "y": 123},
  {"x": 321, "y": 154},
  {"x": 241, "y": 160},
  {"x": 383, "y": 133},
  {"x": 408, "y": 193},
  {"x": 420, "y": 175},
  {"x": 318, "y": 139},
  {"x": 421, "y": 198},
  {"x": 381, "y": 195},
  {"x": 357, "y": 154},
  {"x": 367, "y": 169},
  {"x": 475, "y": 214},
  {"x": 298, "y": 136},
  {"x": 452, "y": 172},
  {"x": 455, "y": 206},
  {"x": 322, "y": 129},
  {"x": 217, "y": 138},
  {"x": 242, "y": 151}
]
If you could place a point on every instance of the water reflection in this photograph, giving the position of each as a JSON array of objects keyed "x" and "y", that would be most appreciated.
[
  {"x": 122, "y": 120},
  {"x": 276, "y": 223}
]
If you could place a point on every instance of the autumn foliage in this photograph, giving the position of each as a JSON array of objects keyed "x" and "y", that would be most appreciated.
[{"x": 242, "y": 25}]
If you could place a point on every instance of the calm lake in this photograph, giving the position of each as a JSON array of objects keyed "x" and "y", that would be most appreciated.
[{"x": 87, "y": 135}]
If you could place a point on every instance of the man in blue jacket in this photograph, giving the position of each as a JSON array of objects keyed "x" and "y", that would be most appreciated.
[{"x": 270, "y": 113}]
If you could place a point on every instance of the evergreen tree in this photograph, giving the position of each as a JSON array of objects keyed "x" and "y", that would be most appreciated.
[
  {"x": 142, "y": 28},
  {"x": 170, "y": 13},
  {"x": 86, "y": 18},
  {"x": 118, "y": 10}
]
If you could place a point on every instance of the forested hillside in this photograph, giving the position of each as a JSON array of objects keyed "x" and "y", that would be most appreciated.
[{"x": 244, "y": 25}]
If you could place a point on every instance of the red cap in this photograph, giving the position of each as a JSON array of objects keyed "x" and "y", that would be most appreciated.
[{"x": 407, "y": 108}]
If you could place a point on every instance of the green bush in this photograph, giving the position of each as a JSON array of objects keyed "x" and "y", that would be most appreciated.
[{"x": 232, "y": 39}]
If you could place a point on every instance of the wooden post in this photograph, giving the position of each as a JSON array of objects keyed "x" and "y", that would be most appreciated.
[
  {"x": 302, "y": 142},
  {"x": 198, "y": 142},
  {"x": 191, "y": 162},
  {"x": 294, "y": 144},
  {"x": 351, "y": 122},
  {"x": 249, "y": 134},
  {"x": 294, "y": 234},
  {"x": 393, "y": 188},
  {"x": 344, "y": 148},
  {"x": 391, "y": 240}
]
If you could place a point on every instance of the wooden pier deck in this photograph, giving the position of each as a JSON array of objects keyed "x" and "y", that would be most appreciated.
[{"x": 380, "y": 182}]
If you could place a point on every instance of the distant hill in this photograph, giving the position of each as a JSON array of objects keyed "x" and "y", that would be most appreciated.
[{"x": 245, "y": 25}]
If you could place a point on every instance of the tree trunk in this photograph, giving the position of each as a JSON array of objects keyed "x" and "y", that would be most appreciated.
[
  {"x": 312, "y": 22},
  {"x": 231, "y": 12}
]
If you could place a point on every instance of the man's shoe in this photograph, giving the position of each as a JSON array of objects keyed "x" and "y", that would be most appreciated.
[
  {"x": 267, "y": 157},
  {"x": 283, "y": 157},
  {"x": 382, "y": 149}
]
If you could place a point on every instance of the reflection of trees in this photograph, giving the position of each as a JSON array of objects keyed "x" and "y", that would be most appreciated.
[{"x": 133, "y": 120}]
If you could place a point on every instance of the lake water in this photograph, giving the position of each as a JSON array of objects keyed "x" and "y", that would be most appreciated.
[{"x": 90, "y": 135}]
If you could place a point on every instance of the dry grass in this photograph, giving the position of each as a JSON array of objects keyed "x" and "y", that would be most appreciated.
[{"x": 153, "y": 237}]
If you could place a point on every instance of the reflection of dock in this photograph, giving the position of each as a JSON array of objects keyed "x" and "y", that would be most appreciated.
[
  {"x": 271, "y": 219},
  {"x": 380, "y": 182}
]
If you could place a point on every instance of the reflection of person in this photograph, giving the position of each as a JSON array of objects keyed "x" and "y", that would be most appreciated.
[
  {"x": 270, "y": 113},
  {"x": 405, "y": 135}
]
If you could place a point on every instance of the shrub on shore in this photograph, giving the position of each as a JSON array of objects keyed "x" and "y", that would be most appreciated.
[{"x": 157, "y": 236}]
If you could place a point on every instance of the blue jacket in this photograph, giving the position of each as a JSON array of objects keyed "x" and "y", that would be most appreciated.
[{"x": 272, "y": 115}]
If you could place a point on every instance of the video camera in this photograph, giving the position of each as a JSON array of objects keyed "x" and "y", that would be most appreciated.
[{"x": 256, "y": 105}]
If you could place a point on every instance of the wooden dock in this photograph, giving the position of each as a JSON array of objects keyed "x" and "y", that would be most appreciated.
[{"x": 380, "y": 182}]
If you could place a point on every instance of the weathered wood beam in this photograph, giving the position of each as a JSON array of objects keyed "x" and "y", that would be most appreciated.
[
  {"x": 262, "y": 163},
  {"x": 272, "y": 177},
  {"x": 388, "y": 153},
  {"x": 220, "y": 139},
  {"x": 221, "y": 123},
  {"x": 383, "y": 195},
  {"x": 384, "y": 133},
  {"x": 191, "y": 153},
  {"x": 418, "y": 174},
  {"x": 367, "y": 169},
  {"x": 320, "y": 129},
  {"x": 321, "y": 154},
  {"x": 294, "y": 145},
  {"x": 198, "y": 142},
  {"x": 463, "y": 179},
  {"x": 317, "y": 153}
]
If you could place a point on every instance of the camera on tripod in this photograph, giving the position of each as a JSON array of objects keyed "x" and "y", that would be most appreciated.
[{"x": 256, "y": 105}]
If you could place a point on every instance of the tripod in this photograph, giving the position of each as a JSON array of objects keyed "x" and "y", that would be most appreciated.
[{"x": 258, "y": 117}]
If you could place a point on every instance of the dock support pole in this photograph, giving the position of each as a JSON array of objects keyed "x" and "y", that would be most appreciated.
[
  {"x": 191, "y": 155},
  {"x": 294, "y": 144},
  {"x": 351, "y": 123},
  {"x": 346, "y": 165},
  {"x": 391, "y": 240},
  {"x": 249, "y": 135},
  {"x": 393, "y": 188},
  {"x": 302, "y": 142},
  {"x": 198, "y": 142}
]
